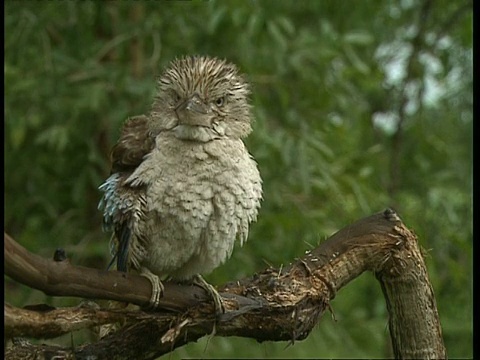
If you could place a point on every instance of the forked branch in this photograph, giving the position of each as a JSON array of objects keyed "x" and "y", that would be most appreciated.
[{"x": 274, "y": 304}]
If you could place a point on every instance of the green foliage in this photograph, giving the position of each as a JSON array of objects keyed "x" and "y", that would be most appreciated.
[{"x": 358, "y": 105}]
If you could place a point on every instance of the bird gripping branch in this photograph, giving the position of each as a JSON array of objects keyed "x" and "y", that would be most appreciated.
[{"x": 183, "y": 187}]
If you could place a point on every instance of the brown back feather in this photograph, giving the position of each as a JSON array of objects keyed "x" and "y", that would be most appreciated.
[{"x": 134, "y": 143}]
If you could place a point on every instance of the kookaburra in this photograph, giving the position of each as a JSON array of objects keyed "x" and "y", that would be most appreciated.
[{"x": 183, "y": 187}]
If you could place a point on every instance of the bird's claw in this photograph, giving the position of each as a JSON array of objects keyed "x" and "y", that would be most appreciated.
[
  {"x": 157, "y": 287},
  {"x": 217, "y": 299}
]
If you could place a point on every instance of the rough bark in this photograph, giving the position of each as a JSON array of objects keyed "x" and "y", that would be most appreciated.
[{"x": 275, "y": 304}]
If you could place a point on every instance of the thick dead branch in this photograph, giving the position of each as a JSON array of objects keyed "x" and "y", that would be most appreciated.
[
  {"x": 271, "y": 305},
  {"x": 58, "y": 277}
]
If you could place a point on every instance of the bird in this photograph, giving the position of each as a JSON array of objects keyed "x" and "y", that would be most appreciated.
[{"x": 183, "y": 188}]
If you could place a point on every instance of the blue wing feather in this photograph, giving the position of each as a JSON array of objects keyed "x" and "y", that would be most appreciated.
[
  {"x": 115, "y": 218},
  {"x": 124, "y": 235}
]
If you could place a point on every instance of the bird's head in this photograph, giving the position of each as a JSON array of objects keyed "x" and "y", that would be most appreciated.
[{"x": 201, "y": 99}]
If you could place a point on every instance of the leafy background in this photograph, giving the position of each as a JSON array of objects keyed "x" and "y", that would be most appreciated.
[{"x": 358, "y": 106}]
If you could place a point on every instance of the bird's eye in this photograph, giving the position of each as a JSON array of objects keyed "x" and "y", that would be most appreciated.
[
  {"x": 220, "y": 101},
  {"x": 175, "y": 96}
]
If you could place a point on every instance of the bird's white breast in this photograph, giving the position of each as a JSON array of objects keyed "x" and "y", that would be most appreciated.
[{"x": 200, "y": 198}]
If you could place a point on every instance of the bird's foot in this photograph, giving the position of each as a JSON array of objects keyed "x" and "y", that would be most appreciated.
[
  {"x": 157, "y": 287},
  {"x": 217, "y": 299}
]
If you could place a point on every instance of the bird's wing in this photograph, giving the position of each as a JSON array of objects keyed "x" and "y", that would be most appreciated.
[
  {"x": 123, "y": 204},
  {"x": 134, "y": 143}
]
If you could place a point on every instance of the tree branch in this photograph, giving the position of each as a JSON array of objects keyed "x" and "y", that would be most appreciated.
[
  {"x": 274, "y": 304},
  {"x": 397, "y": 139}
]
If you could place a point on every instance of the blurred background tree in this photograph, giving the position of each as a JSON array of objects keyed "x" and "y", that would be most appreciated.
[{"x": 359, "y": 106}]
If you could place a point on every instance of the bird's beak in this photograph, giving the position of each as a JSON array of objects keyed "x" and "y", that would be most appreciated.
[{"x": 194, "y": 111}]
